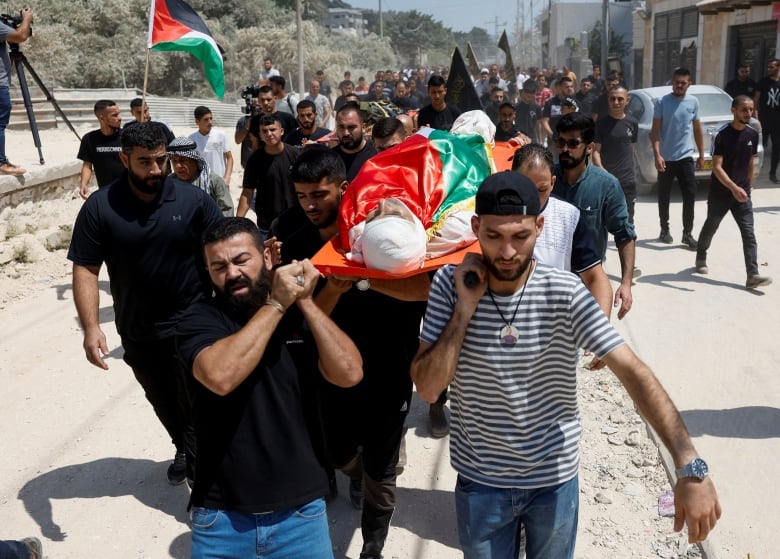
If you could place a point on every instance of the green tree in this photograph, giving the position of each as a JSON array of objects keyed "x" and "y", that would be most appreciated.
[{"x": 618, "y": 46}]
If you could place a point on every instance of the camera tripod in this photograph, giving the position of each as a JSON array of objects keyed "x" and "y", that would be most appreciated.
[{"x": 20, "y": 62}]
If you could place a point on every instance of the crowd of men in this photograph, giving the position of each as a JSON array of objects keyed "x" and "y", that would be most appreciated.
[{"x": 267, "y": 376}]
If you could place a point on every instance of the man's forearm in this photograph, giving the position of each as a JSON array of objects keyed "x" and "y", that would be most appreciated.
[
  {"x": 244, "y": 201},
  {"x": 433, "y": 368},
  {"x": 228, "y": 167},
  {"x": 340, "y": 359},
  {"x": 627, "y": 255},
  {"x": 597, "y": 282},
  {"x": 226, "y": 364},
  {"x": 86, "y": 295}
]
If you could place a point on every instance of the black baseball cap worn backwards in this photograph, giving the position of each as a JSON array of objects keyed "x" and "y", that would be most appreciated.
[{"x": 507, "y": 193}]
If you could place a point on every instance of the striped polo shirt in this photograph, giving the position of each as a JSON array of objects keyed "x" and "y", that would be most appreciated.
[{"x": 515, "y": 419}]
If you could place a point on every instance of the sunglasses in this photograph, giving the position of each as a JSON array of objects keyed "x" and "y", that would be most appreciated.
[{"x": 571, "y": 143}]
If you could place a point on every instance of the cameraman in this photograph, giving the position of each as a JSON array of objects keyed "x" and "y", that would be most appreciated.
[
  {"x": 10, "y": 35},
  {"x": 242, "y": 130}
]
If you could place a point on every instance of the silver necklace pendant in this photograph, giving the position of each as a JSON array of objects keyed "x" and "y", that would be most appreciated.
[{"x": 508, "y": 335}]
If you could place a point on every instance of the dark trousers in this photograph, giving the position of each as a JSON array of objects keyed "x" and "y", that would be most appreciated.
[
  {"x": 13, "y": 549},
  {"x": 717, "y": 208},
  {"x": 629, "y": 191},
  {"x": 685, "y": 172},
  {"x": 377, "y": 430},
  {"x": 165, "y": 382},
  {"x": 770, "y": 128}
]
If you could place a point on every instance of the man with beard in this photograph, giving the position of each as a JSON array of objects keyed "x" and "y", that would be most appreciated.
[
  {"x": 767, "y": 100},
  {"x": 307, "y": 130},
  {"x": 260, "y": 483},
  {"x": 146, "y": 228},
  {"x": 99, "y": 149},
  {"x": 676, "y": 128},
  {"x": 508, "y": 347},
  {"x": 371, "y": 415},
  {"x": 189, "y": 166},
  {"x": 598, "y": 196},
  {"x": 506, "y": 129},
  {"x": 347, "y": 87},
  {"x": 267, "y": 104},
  {"x": 353, "y": 146},
  {"x": 733, "y": 152},
  {"x": 268, "y": 174},
  {"x": 321, "y": 103},
  {"x": 496, "y": 99}
]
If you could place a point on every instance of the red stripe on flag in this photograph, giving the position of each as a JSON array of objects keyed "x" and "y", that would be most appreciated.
[{"x": 164, "y": 27}]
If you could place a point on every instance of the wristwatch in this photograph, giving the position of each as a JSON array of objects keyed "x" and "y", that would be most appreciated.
[
  {"x": 695, "y": 468},
  {"x": 363, "y": 284}
]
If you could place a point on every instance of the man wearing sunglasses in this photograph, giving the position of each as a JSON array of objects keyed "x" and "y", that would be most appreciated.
[{"x": 598, "y": 195}]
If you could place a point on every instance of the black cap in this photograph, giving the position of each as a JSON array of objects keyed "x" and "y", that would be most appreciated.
[
  {"x": 507, "y": 193},
  {"x": 569, "y": 102}
]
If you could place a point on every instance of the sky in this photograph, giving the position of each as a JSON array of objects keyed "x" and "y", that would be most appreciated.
[{"x": 459, "y": 15}]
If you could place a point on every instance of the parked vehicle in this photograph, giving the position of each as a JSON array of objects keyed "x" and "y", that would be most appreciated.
[{"x": 714, "y": 112}]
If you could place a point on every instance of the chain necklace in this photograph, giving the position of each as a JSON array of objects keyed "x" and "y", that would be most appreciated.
[{"x": 508, "y": 334}]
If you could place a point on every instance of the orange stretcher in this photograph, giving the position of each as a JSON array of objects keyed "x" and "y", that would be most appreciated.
[{"x": 329, "y": 261}]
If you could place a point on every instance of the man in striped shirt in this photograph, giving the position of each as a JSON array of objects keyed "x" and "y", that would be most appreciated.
[{"x": 508, "y": 345}]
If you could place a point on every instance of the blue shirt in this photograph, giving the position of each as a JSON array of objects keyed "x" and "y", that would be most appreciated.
[
  {"x": 602, "y": 203},
  {"x": 677, "y": 116}
]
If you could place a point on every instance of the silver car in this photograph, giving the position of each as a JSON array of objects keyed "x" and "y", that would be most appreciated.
[{"x": 714, "y": 112}]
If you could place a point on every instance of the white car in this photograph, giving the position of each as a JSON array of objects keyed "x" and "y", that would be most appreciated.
[{"x": 714, "y": 112}]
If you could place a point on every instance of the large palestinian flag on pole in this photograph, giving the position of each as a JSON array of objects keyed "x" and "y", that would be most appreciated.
[{"x": 175, "y": 26}]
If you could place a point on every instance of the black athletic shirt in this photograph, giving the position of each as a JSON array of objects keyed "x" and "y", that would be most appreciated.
[
  {"x": 152, "y": 252},
  {"x": 440, "y": 120},
  {"x": 737, "y": 147},
  {"x": 255, "y": 448},
  {"x": 354, "y": 161}
]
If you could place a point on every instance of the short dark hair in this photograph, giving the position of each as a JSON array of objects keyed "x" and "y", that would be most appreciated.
[
  {"x": 682, "y": 72},
  {"x": 306, "y": 104},
  {"x": 530, "y": 86},
  {"x": 102, "y": 105},
  {"x": 739, "y": 100},
  {"x": 506, "y": 104},
  {"x": 264, "y": 89},
  {"x": 351, "y": 106},
  {"x": 573, "y": 122},
  {"x": 613, "y": 76},
  {"x": 532, "y": 155},
  {"x": 269, "y": 120},
  {"x": 229, "y": 227},
  {"x": 587, "y": 79},
  {"x": 386, "y": 127},
  {"x": 137, "y": 102},
  {"x": 494, "y": 89},
  {"x": 349, "y": 82},
  {"x": 316, "y": 163},
  {"x": 563, "y": 79},
  {"x": 278, "y": 80},
  {"x": 201, "y": 111},
  {"x": 436, "y": 81},
  {"x": 147, "y": 135}
]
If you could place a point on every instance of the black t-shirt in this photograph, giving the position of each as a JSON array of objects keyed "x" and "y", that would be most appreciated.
[
  {"x": 552, "y": 110},
  {"x": 103, "y": 152},
  {"x": 257, "y": 446},
  {"x": 152, "y": 251},
  {"x": 584, "y": 102},
  {"x": 736, "y": 87},
  {"x": 354, "y": 161},
  {"x": 440, "y": 120},
  {"x": 288, "y": 123},
  {"x": 385, "y": 331},
  {"x": 616, "y": 137},
  {"x": 269, "y": 175},
  {"x": 600, "y": 106},
  {"x": 737, "y": 147},
  {"x": 502, "y": 136},
  {"x": 296, "y": 137},
  {"x": 769, "y": 101},
  {"x": 526, "y": 118}
]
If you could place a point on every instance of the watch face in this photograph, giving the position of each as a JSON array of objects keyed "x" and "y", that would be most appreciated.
[
  {"x": 699, "y": 468},
  {"x": 363, "y": 284}
]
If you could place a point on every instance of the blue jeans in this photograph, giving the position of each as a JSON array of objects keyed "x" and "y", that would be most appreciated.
[
  {"x": 13, "y": 549},
  {"x": 5, "y": 116},
  {"x": 685, "y": 171},
  {"x": 490, "y": 518},
  {"x": 298, "y": 533}
]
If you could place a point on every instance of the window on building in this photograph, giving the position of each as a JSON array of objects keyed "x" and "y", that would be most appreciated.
[{"x": 675, "y": 43}]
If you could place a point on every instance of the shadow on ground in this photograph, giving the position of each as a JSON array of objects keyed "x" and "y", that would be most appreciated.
[
  {"x": 748, "y": 422},
  {"x": 106, "y": 477}
]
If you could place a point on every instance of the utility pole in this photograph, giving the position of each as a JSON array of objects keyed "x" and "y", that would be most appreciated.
[
  {"x": 299, "y": 40},
  {"x": 496, "y": 24},
  {"x": 604, "y": 38},
  {"x": 381, "y": 22}
]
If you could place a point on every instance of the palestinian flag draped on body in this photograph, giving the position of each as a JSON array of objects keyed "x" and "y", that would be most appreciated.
[
  {"x": 175, "y": 26},
  {"x": 433, "y": 172}
]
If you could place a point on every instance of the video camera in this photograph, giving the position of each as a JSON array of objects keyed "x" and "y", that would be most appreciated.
[
  {"x": 249, "y": 93},
  {"x": 11, "y": 21}
]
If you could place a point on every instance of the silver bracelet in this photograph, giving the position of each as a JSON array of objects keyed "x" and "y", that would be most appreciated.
[{"x": 276, "y": 304}]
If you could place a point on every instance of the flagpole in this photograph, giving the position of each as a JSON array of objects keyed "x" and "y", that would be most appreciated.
[{"x": 146, "y": 80}]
